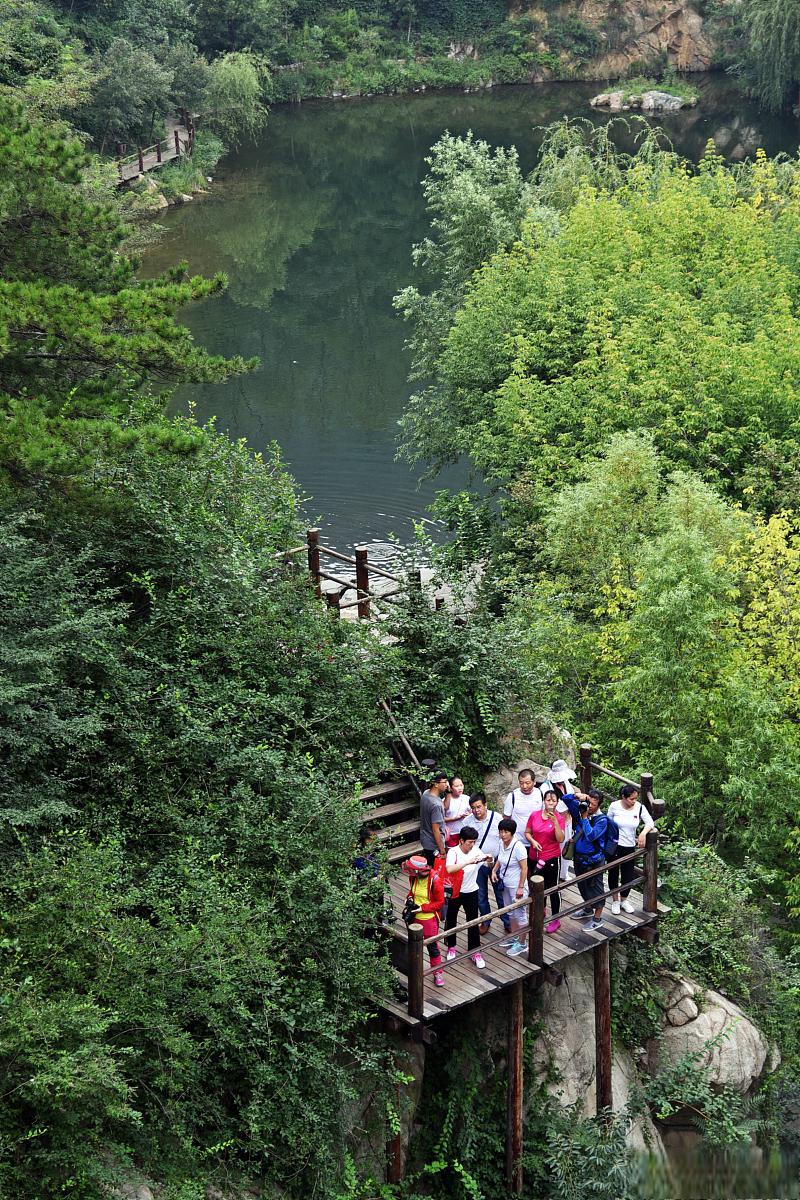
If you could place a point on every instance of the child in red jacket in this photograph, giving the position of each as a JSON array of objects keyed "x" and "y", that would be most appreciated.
[{"x": 424, "y": 905}]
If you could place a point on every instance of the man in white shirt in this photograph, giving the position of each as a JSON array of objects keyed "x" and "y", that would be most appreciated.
[
  {"x": 524, "y": 800},
  {"x": 486, "y": 821},
  {"x": 465, "y": 860}
]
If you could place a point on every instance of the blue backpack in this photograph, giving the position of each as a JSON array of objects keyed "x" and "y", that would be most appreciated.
[{"x": 611, "y": 843}]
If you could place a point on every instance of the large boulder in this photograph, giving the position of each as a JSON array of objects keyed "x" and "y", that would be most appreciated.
[
  {"x": 550, "y": 743},
  {"x": 613, "y": 100},
  {"x": 655, "y": 101},
  {"x": 565, "y": 1051},
  {"x": 692, "y": 1018}
]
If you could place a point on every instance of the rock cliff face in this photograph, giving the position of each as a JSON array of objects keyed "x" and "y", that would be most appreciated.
[
  {"x": 567, "y": 1044},
  {"x": 564, "y": 1055},
  {"x": 639, "y": 32},
  {"x": 645, "y": 31}
]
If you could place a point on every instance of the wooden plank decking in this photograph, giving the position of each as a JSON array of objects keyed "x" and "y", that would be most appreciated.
[{"x": 464, "y": 983}]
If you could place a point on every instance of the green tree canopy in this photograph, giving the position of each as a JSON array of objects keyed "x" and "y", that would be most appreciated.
[
  {"x": 665, "y": 302},
  {"x": 81, "y": 338}
]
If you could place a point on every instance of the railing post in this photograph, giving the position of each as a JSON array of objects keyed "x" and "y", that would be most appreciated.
[
  {"x": 650, "y": 899},
  {"x": 158, "y": 150},
  {"x": 312, "y": 538},
  {"x": 141, "y": 160},
  {"x": 332, "y": 600},
  {"x": 585, "y": 755},
  {"x": 536, "y": 920},
  {"x": 177, "y": 143},
  {"x": 416, "y": 983},
  {"x": 438, "y": 603},
  {"x": 648, "y": 796},
  {"x": 362, "y": 581}
]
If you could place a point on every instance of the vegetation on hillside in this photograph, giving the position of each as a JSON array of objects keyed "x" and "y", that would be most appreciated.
[
  {"x": 614, "y": 342},
  {"x": 186, "y": 982}
]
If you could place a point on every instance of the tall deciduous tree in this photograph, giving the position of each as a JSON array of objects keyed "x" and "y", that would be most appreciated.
[
  {"x": 772, "y": 57},
  {"x": 234, "y": 104}
]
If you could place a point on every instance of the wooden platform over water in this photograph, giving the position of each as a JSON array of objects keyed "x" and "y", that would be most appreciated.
[{"x": 464, "y": 983}]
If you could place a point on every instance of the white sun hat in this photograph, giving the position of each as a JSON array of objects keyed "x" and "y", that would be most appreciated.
[{"x": 560, "y": 773}]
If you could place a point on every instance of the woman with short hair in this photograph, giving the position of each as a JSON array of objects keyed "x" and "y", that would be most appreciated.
[{"x": 466, "y": 858}]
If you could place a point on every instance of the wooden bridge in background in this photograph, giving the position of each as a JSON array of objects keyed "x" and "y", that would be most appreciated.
[
  {"x": 179, "y": 143},
  {"x": 391, "y": 813},
  {"x": 361, "y": 588}
]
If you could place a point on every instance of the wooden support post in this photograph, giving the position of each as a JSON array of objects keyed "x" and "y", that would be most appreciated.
[
  {"x": 416, "y": 982},
  {"x": 395, "y": 1168},
  {"x": 332, "y": 600},
  {"x": 158, "y": 150},
  {"x": 516, "y": 1028},
  {"x": 536, "y": 920},
  {"x": 438, "y": 603},
  {"x": 362, "y": 580},
  {"x": 415, "y": 579},
  {"x": 141, "y": 160},
  {"x": 602, "y": 1025},
  {"x": 585, "y": 754},
  {"x": 177, "y": 142},
  {"x": 650, "y": 903},
  {"x": 312, "y": 538}
]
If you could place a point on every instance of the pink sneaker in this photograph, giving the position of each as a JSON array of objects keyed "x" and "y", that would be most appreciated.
[
  {"x": 552, "y": 926},
  {"x": 438, "y": 978},
  {"x": 479, "y": 961},
  {"x": 451, "y": 953}
]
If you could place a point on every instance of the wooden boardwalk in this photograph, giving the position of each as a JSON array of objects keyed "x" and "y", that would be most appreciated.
[
  {"x": 464, "y": 983},
  {"x": 177, "y": 144}
]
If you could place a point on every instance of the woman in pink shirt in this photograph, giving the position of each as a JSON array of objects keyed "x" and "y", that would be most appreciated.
[{"x": 545, "y": 835}]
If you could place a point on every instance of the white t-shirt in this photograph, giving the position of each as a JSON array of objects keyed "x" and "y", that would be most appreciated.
[
  {"x": 519, "y": 807},
  {"x": 491, "y": 843},
  {"x": 470, "y": 863},
  {"x": 510, "y": 865},
  {"x": 628, "y": 820},
  {"x": 454, "y": 815}
]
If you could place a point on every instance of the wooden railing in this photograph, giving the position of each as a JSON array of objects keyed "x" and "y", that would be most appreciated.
[
  {"x": 644, "y": 785},
  {"x": 166, "y": 149},
  {"x": 534, "y": 926},
  {"x": 359, "y": 583}
]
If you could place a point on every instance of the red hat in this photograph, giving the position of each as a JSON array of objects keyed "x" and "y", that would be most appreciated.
[{"x": 416, "y": 865}]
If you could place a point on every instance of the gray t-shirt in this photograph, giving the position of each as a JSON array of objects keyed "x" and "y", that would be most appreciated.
[{"x": 431, "y": 812}]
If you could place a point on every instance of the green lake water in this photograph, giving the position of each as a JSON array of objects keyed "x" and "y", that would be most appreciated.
[{"x": 314, "y": 228}]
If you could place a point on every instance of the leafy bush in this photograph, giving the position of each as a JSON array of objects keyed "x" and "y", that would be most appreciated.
[{"x": 572, "y": 36}]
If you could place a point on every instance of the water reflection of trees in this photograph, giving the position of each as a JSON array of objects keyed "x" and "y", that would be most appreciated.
[{"x": 314, "y": 229}]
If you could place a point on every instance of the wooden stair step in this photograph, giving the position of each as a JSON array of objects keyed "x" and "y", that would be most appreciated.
[
  {"x": 380, "y": 791},
  {"x": 389, "y": 810},
  {"x": 400, "y": 830},
  {"x": 399, "y": 853}
]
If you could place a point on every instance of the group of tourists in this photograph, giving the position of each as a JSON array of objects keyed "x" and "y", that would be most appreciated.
[{"x": 546, "y": 829}]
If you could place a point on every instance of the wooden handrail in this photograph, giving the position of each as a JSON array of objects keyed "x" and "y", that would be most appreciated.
[
  {"x": 403, "y": 739},
  {"x": 559, "y": 887},
  {"x": 645, "y": 786}
]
